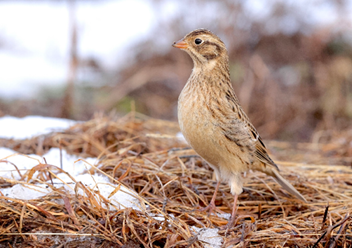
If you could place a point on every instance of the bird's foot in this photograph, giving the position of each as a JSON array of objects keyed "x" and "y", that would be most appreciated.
[{"x": 231, "y": 223}]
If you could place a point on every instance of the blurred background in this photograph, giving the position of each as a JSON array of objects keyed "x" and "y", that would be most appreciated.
[{"x": 290, "y": 60}]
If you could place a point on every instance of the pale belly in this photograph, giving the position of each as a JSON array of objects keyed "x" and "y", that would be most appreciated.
[
  {"x": 201, "y": 135},
  {"x": 207, "y": 139}
]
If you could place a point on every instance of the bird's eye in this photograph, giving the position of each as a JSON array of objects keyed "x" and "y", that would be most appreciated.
[{"x": 198, "y": 41}]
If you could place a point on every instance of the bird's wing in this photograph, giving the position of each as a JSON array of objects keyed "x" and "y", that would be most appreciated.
[{"x": 241, "y": 131}]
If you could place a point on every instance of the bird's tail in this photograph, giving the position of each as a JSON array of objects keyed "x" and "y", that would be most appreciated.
[{"x": 286, "y": 185}]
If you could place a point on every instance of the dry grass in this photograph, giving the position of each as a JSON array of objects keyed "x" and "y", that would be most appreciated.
[{"x": 145, "y": 155}]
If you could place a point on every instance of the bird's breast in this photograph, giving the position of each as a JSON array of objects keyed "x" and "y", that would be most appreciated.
[{"x": 196, "y": 124}]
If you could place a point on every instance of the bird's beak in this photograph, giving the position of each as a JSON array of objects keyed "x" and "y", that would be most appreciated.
[{"x": 180, "y": 44}]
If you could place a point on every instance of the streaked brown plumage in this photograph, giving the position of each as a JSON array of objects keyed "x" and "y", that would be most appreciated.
[{"x": 213, "y": 122}]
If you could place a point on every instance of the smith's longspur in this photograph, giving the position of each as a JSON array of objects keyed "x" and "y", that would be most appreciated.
[{"x": 213, "y": 122}]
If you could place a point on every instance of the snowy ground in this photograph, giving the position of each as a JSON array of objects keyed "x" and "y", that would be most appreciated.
[
  {"x": 22, "y": 128},
  {"x": 29, "y": 126}
]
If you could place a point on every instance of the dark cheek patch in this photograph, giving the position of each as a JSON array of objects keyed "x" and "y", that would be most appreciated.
[
  {"x": 209, "y": 47},
  {"x": 218, "y": 49},
  {"x": 210, "y": 56}
]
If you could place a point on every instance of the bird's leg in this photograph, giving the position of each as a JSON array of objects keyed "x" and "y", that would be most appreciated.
[
  {"x": 233, "y": 215},
  {"x": 211, "y": 207}
]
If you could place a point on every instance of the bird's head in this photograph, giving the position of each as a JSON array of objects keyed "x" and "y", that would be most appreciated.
[{"x": 204, "y": 47}]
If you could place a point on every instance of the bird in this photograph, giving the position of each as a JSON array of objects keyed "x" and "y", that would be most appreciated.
[{"x": 213, "y": 122}]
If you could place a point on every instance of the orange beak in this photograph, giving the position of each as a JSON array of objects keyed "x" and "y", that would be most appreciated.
[{"x": 180, "y": 44}]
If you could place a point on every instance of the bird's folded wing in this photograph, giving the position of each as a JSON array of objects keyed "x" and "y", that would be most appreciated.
[{"x": 240, "y": 131}]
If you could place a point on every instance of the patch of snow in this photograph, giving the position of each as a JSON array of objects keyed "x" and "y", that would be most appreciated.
[
  {"x": 25, "y": 191},
  {"x": 21, "y": 128},
  {"x": 158, "y": 217},
  {"x": 97, "y": 184},
  {"x": 9, "y": 159},
  {"x": 209, "y": 236},
  {"x": 226, "y": 216},
  {"x": 123, "y": 198},
  {"x": 24, "y": 162},
  {"x": 161, "y": 217},
  {"x": 29, "y": 126}
]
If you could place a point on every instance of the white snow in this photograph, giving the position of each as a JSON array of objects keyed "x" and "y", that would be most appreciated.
[
  {"x": 209, "y": 236},
  {"x": 25, "y": 191},
  {"x": 29, "y": 126},
  {"x": 226, "y": 216},
  {"x": 97, "y": 183}
]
